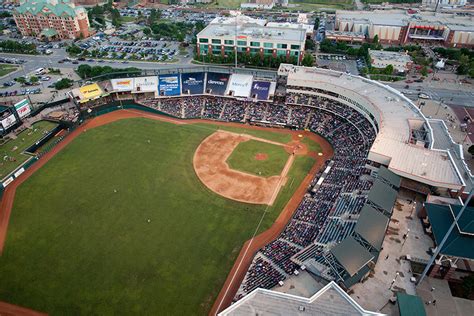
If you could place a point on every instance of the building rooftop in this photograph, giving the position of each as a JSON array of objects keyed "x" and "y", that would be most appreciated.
[
  {"x": 394, "y": 114},
  {"x": 390, "y": 56},
  {"x": 56, "y": 7},
  {"x": 460, "y": 241},
  {"x": 255, "y": 28},
  {"x": 254, "y": 31},
  {"x": 351, "y": 255},
  {"x": 402, "y": 18},
  {"x": 330, "y": 300}
]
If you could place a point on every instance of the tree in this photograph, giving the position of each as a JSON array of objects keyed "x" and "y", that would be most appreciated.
[
  {"x": 84, "y": 71},
  {"x": 375, "y": 41},
  {"x": 309, "y": 45},
  {"x": 147, "y": 31},
  {"x": 34, "y": 79},
  {"x": 21, "y": 80},
  {"x": 388, "y": 70},
  {"x": 308, "y": 60},
  {"x": 424, "y": 71},
  {"x": 73, "y": 50},
  {"x": 63, "y": 84}
]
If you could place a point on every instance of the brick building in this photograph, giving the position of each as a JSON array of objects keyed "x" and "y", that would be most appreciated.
[{"x": 51, "y": 19}]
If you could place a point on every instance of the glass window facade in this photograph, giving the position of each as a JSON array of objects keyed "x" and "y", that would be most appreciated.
[
  {"x": 216, "y": 41},
  {"x": 203, "y": 40},
  {"x": 295, "y": 46},
  {"x": 282, "y": 45},
  {"x": 268, "y": 45},
  {"x": 255, "y": 44},
  {"x": 229, "y": 42},
  {"x": 242, "y": 43}
]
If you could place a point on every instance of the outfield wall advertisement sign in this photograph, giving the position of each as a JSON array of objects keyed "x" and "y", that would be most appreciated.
[
  {"x": 23, "y": 108},
  {"x": 122, "y": 85},
  {"x": 169, "y": 85},
  {"x": 8, "y": 121},
  {"x": 192, "y": 83},
  {"x": 260, "y": 90},
  {"x": 216, "y": 83},
  {"x": 240, "y": 85},
  {"x": 145, "y": 84},
  {"x": 90, "y": 92}
]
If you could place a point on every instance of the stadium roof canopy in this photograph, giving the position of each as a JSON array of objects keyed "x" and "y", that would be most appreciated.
[
  {"x": 460, "y": 242},
  {"x": 383, "y": 196},
  {"x": 394, "y": 116},
  {"x": 351, "y": 255},
  {"x": 372, "y": 226},
  {"x": 330, "y": 300},
  {"x": 410, "y": 305},
  {"x": 390, "y": 177}
]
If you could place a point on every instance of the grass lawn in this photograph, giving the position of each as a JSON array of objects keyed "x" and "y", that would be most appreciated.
[
  {"x": 126, "y": 19},
  {"x": 312, "y": 145},
  {"x": 74, "y": 246},
  {"x": 243, "y": 158},
  {"x": 315, "y": 5},
  {"x": 269, "y": 135},
  {"x": 5, "y": 69},
  {"x": 15, "y": 147}
]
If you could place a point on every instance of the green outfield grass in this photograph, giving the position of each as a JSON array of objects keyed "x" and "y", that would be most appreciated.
[
  {"x": 79, "y": 240},
  {"x": 312, "y": 146},
  {"x": 243, "y": 158},
  {"x": 15, "y": 147}
]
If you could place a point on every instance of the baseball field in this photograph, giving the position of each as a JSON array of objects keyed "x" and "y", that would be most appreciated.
[{"x": 118, "y": 222}]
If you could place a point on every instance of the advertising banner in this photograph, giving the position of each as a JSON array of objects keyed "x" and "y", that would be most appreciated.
[
  {"x": 192, "y": 83},
  {"x": 122, "y": 85},
  {"x": 216, "y": 83},
  {"x": 8, "y": 121},
  {"x": 23, "y": 108},
  {"x": 169, "y": 84},
  {"x": 240, "y": 85},
  {"x": 260, "y": 90},
  {"x": 145, "y": 84},
  {"x": 91, "y": 91}
]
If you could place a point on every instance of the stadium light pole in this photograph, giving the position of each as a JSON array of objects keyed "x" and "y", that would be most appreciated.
[{"x": 441, "y": 244}]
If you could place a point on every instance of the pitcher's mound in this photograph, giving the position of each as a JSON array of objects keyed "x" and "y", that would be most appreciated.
[{"x": 261, "y": 156}]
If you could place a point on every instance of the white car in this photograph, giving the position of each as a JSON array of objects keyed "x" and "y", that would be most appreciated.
[{"x": 424, "y": 96}]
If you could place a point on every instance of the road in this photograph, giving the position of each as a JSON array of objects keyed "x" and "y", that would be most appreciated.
[
  {"x": 34, "y": 62},
  {"x": 359, "y": 5},
  {"x": 452, "y": 96}
]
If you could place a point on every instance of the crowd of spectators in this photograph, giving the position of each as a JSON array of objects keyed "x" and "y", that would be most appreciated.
[
  {"x": 328, "y": 212},
  {"x": 327, "y": 215}
]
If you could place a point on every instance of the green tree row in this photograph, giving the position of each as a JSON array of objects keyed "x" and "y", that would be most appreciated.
[
  {"x": 86, "y": 71},
  {"x": 255, "y": 60},
  {"x": 18, "y": 47}
]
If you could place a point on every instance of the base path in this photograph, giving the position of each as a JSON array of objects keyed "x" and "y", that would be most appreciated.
[
  {"x": 210, "y": 165},
  {"x": 242, "y": 263},
  {"x": 251, "y": 246}
]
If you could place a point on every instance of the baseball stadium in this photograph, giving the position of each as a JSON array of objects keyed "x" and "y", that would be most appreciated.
[{"x": 192, "y": 191}]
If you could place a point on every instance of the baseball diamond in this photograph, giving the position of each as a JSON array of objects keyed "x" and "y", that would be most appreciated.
[{"x": 125, "y": 216}]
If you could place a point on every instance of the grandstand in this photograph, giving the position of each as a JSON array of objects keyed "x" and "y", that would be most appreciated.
[{"x": 338, "y": 228}]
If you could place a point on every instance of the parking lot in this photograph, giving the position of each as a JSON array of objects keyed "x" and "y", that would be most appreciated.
[
  {"x": 339, "y": 63},
  {"x": 146, "y": 50}
]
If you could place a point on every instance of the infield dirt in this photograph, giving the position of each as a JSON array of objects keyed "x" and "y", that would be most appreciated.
[{"x": 248, "y": 250}]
